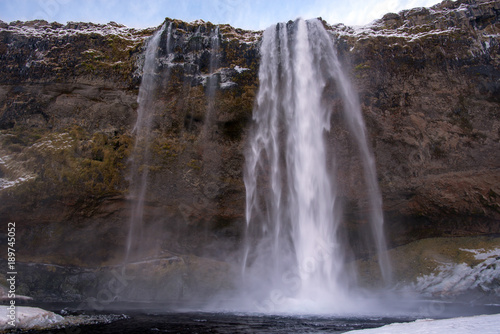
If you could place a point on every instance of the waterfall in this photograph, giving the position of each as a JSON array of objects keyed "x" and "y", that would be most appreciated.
[
  {"x": 212, "y": 83},
  {"x": 140, "y": 155},
  {"x": 294, "y": 254}
]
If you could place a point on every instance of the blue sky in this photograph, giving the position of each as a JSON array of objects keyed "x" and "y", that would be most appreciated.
[{"x": 255, "y": 14}]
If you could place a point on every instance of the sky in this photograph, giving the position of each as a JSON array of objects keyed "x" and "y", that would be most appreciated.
[{"x": 245, "y": 14}]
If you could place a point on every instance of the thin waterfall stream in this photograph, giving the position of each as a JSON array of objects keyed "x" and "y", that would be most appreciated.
[{"x": 141, "y": 152}]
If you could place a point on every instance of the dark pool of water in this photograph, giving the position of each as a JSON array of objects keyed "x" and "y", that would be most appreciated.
[
  {"x": 226, "y": 323},
  {"x": 127, "y": 319}
]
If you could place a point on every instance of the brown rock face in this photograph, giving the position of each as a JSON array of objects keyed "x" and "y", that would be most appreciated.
[
  {"x": 67, "y": 111},
  {"x": 429, "y": 83}
]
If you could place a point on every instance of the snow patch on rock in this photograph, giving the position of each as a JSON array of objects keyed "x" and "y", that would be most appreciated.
[
  {"x": 28, "y": 318},
  {"x": 456, "y": 279},
  {"x": 485, "y": 324}
]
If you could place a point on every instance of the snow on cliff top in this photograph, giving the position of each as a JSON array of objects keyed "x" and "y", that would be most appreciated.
[
  {"x": 43, "y": 29},
  {"x": 421, "y": 22},
  {"x": 411, "y": 24}
]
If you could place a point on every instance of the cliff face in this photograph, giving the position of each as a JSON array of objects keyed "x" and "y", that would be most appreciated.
[
  {"x": 429, "y": 83},
  {"x": 68, "y": 101}
]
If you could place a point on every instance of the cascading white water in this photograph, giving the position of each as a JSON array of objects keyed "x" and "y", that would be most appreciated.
[
  {"x": 212, "y": 83},
  {"x": 214, "y": 58},
  {"x": 142, "y": 129},
  {"x": 294, "y": 258},
  {"x": 323, "y": 45}
]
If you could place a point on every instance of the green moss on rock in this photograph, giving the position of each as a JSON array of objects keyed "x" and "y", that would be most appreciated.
[{"x": 71, "y": 164}]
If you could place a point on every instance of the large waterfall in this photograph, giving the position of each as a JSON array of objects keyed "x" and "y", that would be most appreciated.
[
  {"x": 295, "y": 256},
  {"x": 297, "y": 251}
]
